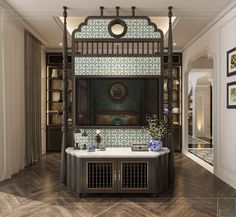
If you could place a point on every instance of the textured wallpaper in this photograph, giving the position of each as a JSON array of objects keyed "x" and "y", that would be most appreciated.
[
  {"x": 136, "y": 28},
  {"x": 116, "y": 137}
]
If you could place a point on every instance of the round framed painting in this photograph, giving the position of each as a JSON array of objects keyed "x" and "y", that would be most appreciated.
[{"x": 118, "y": 91}]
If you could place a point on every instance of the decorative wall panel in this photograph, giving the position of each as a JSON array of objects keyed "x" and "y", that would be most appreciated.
[
  {"x": 117, "y": 137},
  {"x": 138, "y": 66},
  {"x": 98, "y": 28},
  {"x": 92, "y": 42}
]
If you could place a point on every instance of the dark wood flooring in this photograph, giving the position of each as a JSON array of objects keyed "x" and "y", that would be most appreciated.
[{"x": 37, "y": 191}]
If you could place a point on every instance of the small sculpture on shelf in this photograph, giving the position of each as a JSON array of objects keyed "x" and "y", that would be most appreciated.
[
  {"x": 98, "y": 138},
  {"x": 54, "y": 73},
  {"x": 84, "y": 140},
  {"x": 84, "y": 147},
  {"x": 76, "y": 147},
  {"x": 76, "y": 135},
  {"x": 165, "y": 114},
  {"x": 102, "y": 147}
]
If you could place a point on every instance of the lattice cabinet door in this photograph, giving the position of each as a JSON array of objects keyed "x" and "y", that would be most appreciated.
[
  {"x": 134, "y": 175},
  {"x": 100, "y": 176}
]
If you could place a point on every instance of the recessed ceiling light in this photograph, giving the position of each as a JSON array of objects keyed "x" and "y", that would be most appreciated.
[
  {"x": 174, "y": 44},
  {"x": 60, "y": 44}
]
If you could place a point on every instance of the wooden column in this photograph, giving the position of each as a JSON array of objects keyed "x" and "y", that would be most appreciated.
[
  {"x": 64, "y": 144},
  {"x": 170, "y": 76},
  {"x": 170, "y": 141}
]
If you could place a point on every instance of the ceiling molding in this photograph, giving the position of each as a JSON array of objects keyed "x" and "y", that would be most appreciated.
[
  {"x": 203, "y": 85},
  {"x": 174, "y": 23},
  {"x": 54, "y": 50},
  {"x": 19, "y": 19},
  {"x": 228, "y": 7},
  {"x": 61, "y": 26}
]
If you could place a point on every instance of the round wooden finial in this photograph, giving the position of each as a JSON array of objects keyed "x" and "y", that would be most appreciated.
[
  {"x": 133, "y": 10},
  {"x": 170, "y": 14},
  {"x": 101, "y": 10},
  {"x": 65, "y": 11},
  {"x": 117, "y": 10}
]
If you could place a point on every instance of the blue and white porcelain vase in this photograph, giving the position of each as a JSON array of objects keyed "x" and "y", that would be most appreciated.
[
  {"x": 91, "y": 147},
  {"x": 155, "y": 145}
]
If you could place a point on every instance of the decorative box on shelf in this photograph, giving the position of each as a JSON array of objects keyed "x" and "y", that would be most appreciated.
[{"x": 139, "y": 147}]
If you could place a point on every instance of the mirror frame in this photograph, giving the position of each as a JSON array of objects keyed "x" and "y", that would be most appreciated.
[{"x": 115, "y": 22}]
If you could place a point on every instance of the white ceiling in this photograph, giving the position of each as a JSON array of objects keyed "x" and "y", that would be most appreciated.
[{"x": 192, "y": 15}]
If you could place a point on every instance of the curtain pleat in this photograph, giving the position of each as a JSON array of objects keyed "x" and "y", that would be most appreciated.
[
  {"x": 32, "y": 99},
  {"x": 12, "y": 101}
]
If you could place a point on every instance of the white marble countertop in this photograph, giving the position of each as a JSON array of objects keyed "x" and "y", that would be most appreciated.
[{"x": 116, "y": 153}]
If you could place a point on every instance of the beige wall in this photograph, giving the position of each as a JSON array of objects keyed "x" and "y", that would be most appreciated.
[{"x": 201, "y": 111}]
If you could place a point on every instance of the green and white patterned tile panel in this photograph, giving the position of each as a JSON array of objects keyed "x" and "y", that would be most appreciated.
[
  {"x": 136, "y": 28},
  {"x": 137, "y": 66},
  {"x": 117, "y": 137}
]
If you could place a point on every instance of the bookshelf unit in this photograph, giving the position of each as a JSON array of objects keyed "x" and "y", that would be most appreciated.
[
  {"x": 54, "y": 102},
  {"x": 177, "y": 97}
]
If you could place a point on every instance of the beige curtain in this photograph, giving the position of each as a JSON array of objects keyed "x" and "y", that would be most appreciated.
[
  {"x": 32, "y": 99},
  {"x": 12, "y": 106}
]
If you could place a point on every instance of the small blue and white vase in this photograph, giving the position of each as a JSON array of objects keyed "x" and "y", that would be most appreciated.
[
  {"x": 155, "y": 145},
  {"x": 91, "y": 147},
  {"x": 102, "y": 147}
]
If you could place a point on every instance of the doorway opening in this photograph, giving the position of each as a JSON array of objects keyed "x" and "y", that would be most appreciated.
[{"x": 200, "y": 83}]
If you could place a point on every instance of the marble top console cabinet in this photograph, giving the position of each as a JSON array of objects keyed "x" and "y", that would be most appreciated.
[{"x": 117, "y": 170}]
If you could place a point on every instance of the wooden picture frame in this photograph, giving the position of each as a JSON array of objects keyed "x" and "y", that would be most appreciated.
[
  {"x": 231, "y": 62},
  {"x": 231, "y": 95}
]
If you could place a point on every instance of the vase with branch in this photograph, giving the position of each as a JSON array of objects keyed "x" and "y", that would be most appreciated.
[{"x": 157, "y": 129}]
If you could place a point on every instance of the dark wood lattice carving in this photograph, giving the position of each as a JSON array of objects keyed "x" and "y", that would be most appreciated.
[
  {"x": 134, "y": 175},
  {"x": 100, "y": 175}
]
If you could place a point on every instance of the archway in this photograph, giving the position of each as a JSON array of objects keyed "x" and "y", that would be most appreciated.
[
  {"x": 200, "y": 70},
  {"x": 200, "y": 114}
]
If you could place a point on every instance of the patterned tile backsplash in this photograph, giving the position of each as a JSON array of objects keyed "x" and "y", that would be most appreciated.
[
  {"x": 136, "y": 66},
  {"x": 136, "y": 28},
  {"x": 116, "y": 137}
]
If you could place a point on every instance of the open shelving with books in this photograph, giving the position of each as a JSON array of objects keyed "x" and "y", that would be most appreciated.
[
  {"x": 54, "y": 96},
  {"x": 177, "y": 97},
  {"x": 54, "y": 101}
]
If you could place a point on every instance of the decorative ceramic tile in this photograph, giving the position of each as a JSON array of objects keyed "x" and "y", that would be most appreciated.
[
  {"x": 205, "y": 154},
  {"x": 117, "y": 66},
  {"x": 136, "y": 28},
  {"x": 116, "y": 137}
]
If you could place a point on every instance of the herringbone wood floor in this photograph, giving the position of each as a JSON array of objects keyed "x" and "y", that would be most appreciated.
[{"x": 37, "y": 191}]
